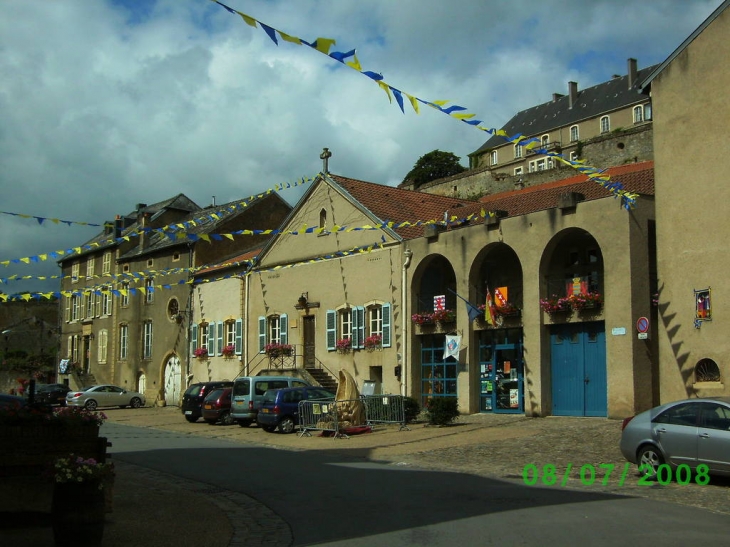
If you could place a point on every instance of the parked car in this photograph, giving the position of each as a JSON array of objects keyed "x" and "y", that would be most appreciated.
[
  {"x": 51, "y": 394},
  {"x": 192, "y": 401},
  {"x": 689, "y": 432},
  {"x": 10, "y": 402},
  {"x": 104, "y": 395},
  {"x": 280, "y": 407},
  {"x": 217, "y": 406},
  {"x": 248, "y": 394}
]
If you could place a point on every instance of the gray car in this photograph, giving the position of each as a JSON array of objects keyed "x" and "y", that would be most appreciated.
[
  {"x": 104, "y": 395},
  {"x": 686, "y": 433}
]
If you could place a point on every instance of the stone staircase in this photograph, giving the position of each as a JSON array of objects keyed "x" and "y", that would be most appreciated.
[{"x": 323, "y": 379}]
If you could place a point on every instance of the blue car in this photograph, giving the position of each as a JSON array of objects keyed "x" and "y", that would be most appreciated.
[{"x": 280, "y": 408}]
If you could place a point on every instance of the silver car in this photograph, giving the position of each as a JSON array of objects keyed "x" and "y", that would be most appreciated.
[
  {"x": 687, "y": 433},
  {"x": 104, "y": 395}
]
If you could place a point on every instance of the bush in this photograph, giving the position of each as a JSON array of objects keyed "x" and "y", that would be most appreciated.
[
  {"x": 411, "y": 408},
  {"x": 442, "y": 410}
]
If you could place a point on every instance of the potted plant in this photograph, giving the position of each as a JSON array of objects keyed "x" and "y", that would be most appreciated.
[
  {"x": 79, "y": 499},
  {"x": 422, "y": 318},
  {"x": 506, "y": 310},
  {"x": 201, "y": 353},
  {"x": 555, "y": 304},
  {"x": 343, "y": 345},
  {"x": 587, "y": 300},
  {"x": 444, "y": 316},
  {"x": 277, "y": 350},
  {"x": 373, "y": 342},
  {"x": 229, "y": 351}
]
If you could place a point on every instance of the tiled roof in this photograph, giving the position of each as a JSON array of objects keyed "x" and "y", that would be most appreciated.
[
  {"x": 636, "y": 178},
  {"x": 231, "y": 262},
  {"x": 398, "y": 205},
  {"x": 591, "y": 102}
]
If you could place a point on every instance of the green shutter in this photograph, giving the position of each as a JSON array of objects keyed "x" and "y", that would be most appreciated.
[
  {"x": 284, "y": 328},
  {"x": 331, "y": 330},
  {"x": 239, "y": 336},
  {"x": 358, "y": 327},
  {"x": 194, "y": 340},
  {"x": 386, "y": 326},
  {"x": 262, "y": 333},
  {"x": 211, "y": 338},
  {"x": 221, "y": 333}
]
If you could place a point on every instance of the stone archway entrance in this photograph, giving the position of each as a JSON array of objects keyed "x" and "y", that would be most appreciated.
[{"x": 172, "y": 380}]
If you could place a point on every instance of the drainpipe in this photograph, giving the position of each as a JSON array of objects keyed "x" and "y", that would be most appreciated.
[
  {"x": 246, "y": 310},
  {"x": 404, "y": 370}
]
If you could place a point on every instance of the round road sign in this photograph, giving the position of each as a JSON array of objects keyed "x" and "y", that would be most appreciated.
[{"x": 642, "y": 325}]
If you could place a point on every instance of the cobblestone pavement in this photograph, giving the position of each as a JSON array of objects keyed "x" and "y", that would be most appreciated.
[{"x": 491, "y": 445}]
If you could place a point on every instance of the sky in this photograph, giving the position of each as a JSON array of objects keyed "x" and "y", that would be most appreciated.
[{"x": 111, "y": 103}]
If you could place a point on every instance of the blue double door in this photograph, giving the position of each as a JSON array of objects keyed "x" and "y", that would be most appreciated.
[{"x": 578, "y": 365}]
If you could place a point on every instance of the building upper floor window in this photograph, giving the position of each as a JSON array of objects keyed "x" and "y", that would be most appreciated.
[
  {"x": 147, "y": 340},
  {"x": 519, "y": 170},
  {"x": 605, "y": 124},
  {"x": 90, "y": 267},
  {"x": 123, "y": 341},
  {"x": 175, "y": 257},
  {"x": 125, "y": 294},
  {"x": 323, "y": 220},
  {"x": 102, "y": 343},
  {"x": 273, "y": 329},
  {"x": 73, "y": 308},
  {"x": 642, "y": 113},
  {"x": 493, "y": 157},
  {"x": 356, "y": 323},
  {"x": 518, "y": 151},
  {"x": 106, "y": 301},
  {"x": 545, "y": 140},
  {"x": 149, "y": 290},
  {"x": 75, "y": 272},
  {"x": 90, "y": 304},
  {"x": 106, "y": 264},
  {"x": 574, "y": 134}
]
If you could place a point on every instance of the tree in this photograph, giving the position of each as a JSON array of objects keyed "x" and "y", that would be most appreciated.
[{"x": 432, "y": 166}]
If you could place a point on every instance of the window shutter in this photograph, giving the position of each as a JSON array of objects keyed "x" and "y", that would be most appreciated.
[
  {"x": 358, "y": 327},
  {"x": 220, "y": 331},
  {"x": 262, "y": 333},
  {"x": 239, "y": 336},
  {"x": 68, "y": 309},
  {"x": 194, "y": 340},
  {"x": 284, "y": 328},
  {"x": 386, "y": 326},
  {"x": 211, "y": 338},
  {"x": 98, "y": 303},
  {"x": 331, "y": 330}
]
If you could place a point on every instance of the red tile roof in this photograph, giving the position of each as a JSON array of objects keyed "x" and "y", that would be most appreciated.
[{"x": 231, "y": 262}]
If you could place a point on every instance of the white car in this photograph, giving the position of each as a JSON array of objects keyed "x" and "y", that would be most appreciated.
[{"x": 104, "y": 395}]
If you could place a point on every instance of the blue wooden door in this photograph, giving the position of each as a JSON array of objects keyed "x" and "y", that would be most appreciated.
[{"x": 578, "y": 363}]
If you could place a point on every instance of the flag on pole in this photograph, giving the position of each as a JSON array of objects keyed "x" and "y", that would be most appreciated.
[
  {"x": 453, "y": 345},
  {"x": 471, "y": 309},
  {"x": 489, "y": 310}
]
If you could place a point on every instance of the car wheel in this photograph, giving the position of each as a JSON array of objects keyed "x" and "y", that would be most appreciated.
[
  {"x": 244, "y": 423},
  {"x": 191, "y": 419},
  {"x": 269, "y": 428},
  {"x": 136, "y": 402},
  {"x": 226, "y": 418},
  {"x": 90, "y": 404},
  {"x": 649, "y": 459},
  {"x": 286, "y": 425}
]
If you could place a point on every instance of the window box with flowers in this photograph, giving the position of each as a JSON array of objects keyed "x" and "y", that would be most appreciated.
[
  {"x": 277, "y": 350},
  {"x": 585, "y": 301},
  {"x": 228, "y": 351},
  {"x": 444, "y": 316},
  {"x": 343, "y": 345},
  {"x": 556, "y": 305},
  {"x": 422, "y": 318},
  {"x": 507, "y": 310},
  {"x": 373, "y": 342},
  {"x": 201, "y": 353}
]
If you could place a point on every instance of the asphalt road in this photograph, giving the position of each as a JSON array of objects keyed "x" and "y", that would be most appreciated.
[{"x": 333, "y": 497}]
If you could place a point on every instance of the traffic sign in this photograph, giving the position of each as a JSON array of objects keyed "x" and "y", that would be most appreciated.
[{"x": 642, "y": 325}]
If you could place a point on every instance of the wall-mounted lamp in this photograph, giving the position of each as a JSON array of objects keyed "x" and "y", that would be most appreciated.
[
  {"x": 179, "y": 316},
  {"x": 91, "y": 336},
  {"x": 303, "y": 300}
]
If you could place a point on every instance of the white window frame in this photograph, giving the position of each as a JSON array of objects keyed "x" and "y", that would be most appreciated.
[
  {"x": 344, "y": 323},
  {"x": 573, "y": 155},
  {"x": 149, "y": 286},
  {"x": 106, "y": 301},
  {"x": 518, "y": 151},
  {"x": 90, "y": 267},
  {"x": 123, "y": 341},
  {"x": 638, "y": 114},
  {"x": 544, "y": 140},
  {"x": 532, "y": 167},
  {"x": 605, "y": 124},
  {"x": 147, "y": 340},
  {"x": 125, "y": 294},
  {"x": 541, "y": 164},
  {"x": 204, "y": 330},
  {"x": 519, "y": 170},
  {"x": 75, "y": 305},
  {"x": 75, "y": 267},
  {"x": 574, "y": 133},
  {"x": 375, "y": 320},
  {"x": 90, "y": 304},
  {"x": 106, "y": 264},
  {"x": 230, "y": 333},
  {"x": 102, "y": 345},
  {"x": 493, "y": 157}
]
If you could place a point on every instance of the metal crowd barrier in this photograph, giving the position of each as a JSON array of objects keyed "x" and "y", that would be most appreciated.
[
  {"x": 318, "y": 416},
  {"x": 385, "y": 409}
]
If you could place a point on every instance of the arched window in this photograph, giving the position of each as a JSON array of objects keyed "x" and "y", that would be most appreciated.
[
  {"x": 706, "y": 370},
  {"x": 574, "y": 133},
  {"x": 323, "y": 219},
  {"x": 605, "y": 124}
]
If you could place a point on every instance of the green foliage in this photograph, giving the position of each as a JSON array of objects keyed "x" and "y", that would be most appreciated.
[
  {"x": 442, "y": 410},
  {"x": 411, "y": 408},
  {"x": 432, "y": 166}
]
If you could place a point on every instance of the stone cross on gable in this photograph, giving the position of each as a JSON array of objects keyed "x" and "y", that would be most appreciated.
[{"x": 324, "y": 156}]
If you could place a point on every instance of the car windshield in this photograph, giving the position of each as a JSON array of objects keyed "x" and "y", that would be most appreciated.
[
  {"x": 270, "y": 396},
  {"x": 242, "y": 387},
  {"x": 213, "y": 395},
  {"x": 193, "y": 390}
]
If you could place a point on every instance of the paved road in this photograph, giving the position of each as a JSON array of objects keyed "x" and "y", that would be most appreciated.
[{"x": 398, "y": 487}]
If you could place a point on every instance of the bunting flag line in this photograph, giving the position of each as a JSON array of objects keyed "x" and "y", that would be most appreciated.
[
  {"x": 323, "y": 45},
  {"x": 41, "y": 220}
]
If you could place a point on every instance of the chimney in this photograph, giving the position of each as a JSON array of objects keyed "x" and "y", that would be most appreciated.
[
  {"x": 108, "y": 227},
  {"x": 118, "y": 227},
  {"x": 572, "y": 94},
  {"x": 632, "y": 73},
  {"x": 557, "y": 96}
]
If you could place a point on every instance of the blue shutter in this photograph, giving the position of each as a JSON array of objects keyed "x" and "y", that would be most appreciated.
[
  {"x": 386, "y": 326},
  {"x": 331, "y": 330},
  {"x": 358, "y": 327},
  {"x": 284, "y": 328},
  {"x": 221, "y": 332},
  {"x": 211, "y": 339},
  {"x": 239, "y": 336},
  {"x": 262, "y": 333},
  {"x": 194, "y": 340}
]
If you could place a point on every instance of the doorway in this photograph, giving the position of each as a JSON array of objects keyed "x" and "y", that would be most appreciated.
[{"x": 308, "y": 331}]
